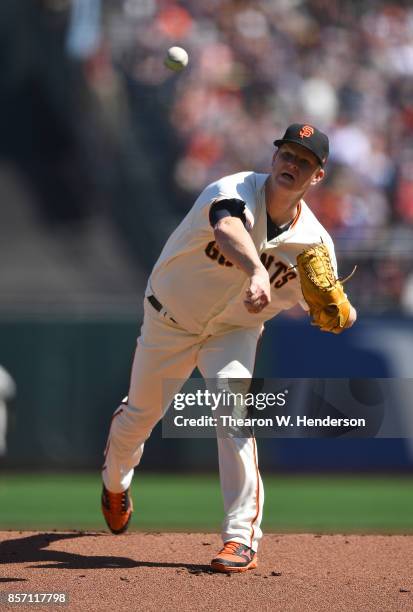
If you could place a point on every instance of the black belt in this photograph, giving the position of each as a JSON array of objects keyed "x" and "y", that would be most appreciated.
[{"x": 157, "y": 305}]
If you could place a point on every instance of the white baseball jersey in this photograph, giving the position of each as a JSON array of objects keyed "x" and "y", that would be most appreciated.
[{"x": 204, "y": 291}]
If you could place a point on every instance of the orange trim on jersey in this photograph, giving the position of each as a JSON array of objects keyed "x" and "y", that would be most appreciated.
[
  {"x": 257, "y": 492},
  {"x": 296, "y": 216}
]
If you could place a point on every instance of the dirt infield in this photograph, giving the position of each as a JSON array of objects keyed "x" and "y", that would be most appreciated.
[{"x": 169, "y": 571}]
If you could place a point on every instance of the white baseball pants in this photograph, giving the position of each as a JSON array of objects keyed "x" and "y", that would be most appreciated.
[{"x": 167, "y": 351}]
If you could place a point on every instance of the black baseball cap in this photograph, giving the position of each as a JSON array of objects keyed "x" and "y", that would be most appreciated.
[{"x": 308, "y": 137}]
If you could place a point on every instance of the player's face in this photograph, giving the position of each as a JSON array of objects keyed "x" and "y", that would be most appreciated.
[{"x": 295, "y": 168}]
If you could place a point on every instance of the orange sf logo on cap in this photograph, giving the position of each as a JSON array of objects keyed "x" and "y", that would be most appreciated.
[{"x": 306, "y": 131}]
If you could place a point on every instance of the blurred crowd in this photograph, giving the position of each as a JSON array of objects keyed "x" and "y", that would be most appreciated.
[{"x": 256, "y": 66}]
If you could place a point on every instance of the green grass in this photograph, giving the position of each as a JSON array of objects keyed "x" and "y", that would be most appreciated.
[{"x": 191, "y": 503}]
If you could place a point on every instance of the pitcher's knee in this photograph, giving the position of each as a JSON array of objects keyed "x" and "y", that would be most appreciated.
[
  {"x": 135, "y": 420},
  {"x": 234, "y": 370}
]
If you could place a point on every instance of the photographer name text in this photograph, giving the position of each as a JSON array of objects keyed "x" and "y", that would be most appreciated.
[{"x": 277, "y": 421}]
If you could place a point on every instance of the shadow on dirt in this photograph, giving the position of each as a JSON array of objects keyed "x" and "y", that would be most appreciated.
[{"x": 35, "y": 549}]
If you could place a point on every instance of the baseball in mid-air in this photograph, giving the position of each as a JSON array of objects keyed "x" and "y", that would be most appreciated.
[{"x": 176, "y": 59}]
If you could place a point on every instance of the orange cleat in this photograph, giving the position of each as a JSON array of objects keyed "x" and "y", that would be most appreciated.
[
  {"x": 235, "y": 557},
  {"x": 117, "y": 509}
]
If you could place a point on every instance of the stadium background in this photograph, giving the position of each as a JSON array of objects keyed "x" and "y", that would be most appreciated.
[{"x": 102, "y": 151}]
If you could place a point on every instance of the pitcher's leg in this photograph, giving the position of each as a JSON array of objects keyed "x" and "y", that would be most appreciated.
[
  {"x": 227, "y": 357},
  {"x": 162, "y": 352},
  {"x": 242, "y": 491}
]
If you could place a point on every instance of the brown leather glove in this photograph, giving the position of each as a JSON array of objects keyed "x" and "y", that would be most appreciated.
[{"x": 323, "y": 292}]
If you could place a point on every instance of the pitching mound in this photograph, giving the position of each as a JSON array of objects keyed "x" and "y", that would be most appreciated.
[{"x": 170, "y": 571}]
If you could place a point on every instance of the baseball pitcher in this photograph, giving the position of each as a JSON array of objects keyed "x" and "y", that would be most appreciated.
[{"x": 248, "y": 249}]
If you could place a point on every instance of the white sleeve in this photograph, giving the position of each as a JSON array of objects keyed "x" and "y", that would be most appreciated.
[
  {"x": 227, "y": 188},
  {"x": 248, "y": 218}
]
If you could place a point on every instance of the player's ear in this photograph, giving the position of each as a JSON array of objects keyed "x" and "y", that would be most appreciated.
[{"x": 318, "y": 176}]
